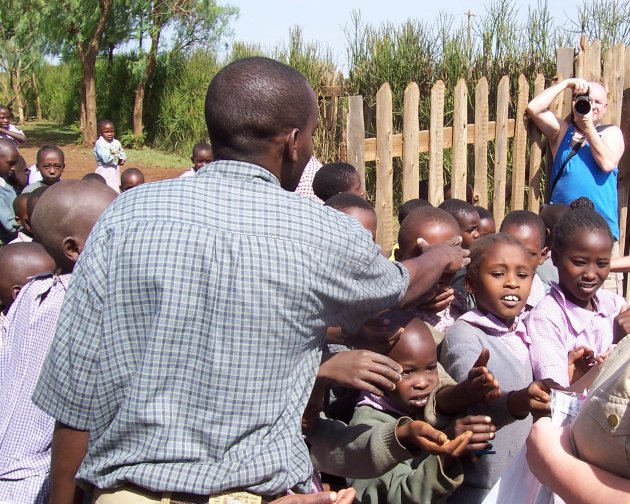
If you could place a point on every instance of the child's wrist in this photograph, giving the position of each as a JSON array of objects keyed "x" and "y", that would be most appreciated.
[{"x": 518, "y": 403}]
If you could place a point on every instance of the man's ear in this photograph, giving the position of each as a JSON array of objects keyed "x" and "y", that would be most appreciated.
[
  {"x": 71, "y": 249},
  {"x": 291, "y": 145},
  {"x": 15, "y": 290}
]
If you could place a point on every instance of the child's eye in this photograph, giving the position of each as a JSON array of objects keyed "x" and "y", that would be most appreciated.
[
  {"x": 406, "y": 373},
  {"x": 432, "y": 367},
  {"x": 578, "y": 262},
  {"x": 497, "y": 274},
  {"x": 523, "y": 274},
  {"x": 603, "y": 264}
]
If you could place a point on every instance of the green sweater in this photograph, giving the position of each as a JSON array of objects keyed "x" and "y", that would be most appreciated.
[{"x": 419, "y": 480}]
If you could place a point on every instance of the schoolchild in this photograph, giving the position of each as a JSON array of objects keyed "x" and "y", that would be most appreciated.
[
  {"x": 130, "y": 178},
  {"x": 499, "y": 276},
  {"x": 8, "y": 130},
  {"x": 443, "y": 304},
  {"x": 9, "y": 159},
  {"x": 50, "y": 163},
  {"x": 61, "y": 222},
  {"x": 529, "y": 229},
  {"x": 109, "y": 154},
  {"x": 335, "y": 178},
  {"x": 428, "y": 394},
  {"x": 24, "y": 230},
  {"x": 356, "y": 207},
  {"x": 201, "y": 156},
  {"x": 577, "y": 312},
  {"x": 550, "y": 214},
  {"x": 487, "y": 224}
]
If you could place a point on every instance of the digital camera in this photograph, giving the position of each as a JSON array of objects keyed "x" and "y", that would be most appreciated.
[{"x": 582, "y": 103}]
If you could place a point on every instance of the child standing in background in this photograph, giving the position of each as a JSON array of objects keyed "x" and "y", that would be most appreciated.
[
  {"x": 109, "y": 154},
  {"x": 201, "y": 156},
  {"x": 7, "y": 130}
]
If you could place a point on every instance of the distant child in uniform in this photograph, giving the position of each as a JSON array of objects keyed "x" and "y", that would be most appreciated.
[
  {"x": 130, "y": 178},
  {"x": 487, "y": 224},
  {"x": 62, "y": 220},
  {"x": 50, "y": 163},
  {"x": 109, "y": 154},
  {"x": 201, "y": 156},
  {"x": 335, "y": 178},
  {"x": 529, "y": 229},
  {"x": 357, "y": 207},
  {"x": 577, "y": 312},
  {"x": 550, "y": 214},
  {"x": 7, "y": 130}
]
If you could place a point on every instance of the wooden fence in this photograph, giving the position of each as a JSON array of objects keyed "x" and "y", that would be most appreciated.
[{"x": 504, "y": 135}]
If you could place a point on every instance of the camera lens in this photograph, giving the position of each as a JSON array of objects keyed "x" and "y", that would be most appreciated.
[{"x": 582, "y": 105}]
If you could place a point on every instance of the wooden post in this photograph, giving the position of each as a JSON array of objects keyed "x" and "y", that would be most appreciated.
[
  {"x": 581, "y": 62},
  {"x": 535, "y": 155},
  {"x": 501, "y": 150},
  {"x": 460, "y": 142},
  {"x": 411, "y": 143},
  {"x": 356, "y": 135},
  {"x": 613, "y": 82},
  {"x": 520, "y": 146},
  {"x": 436, "y": 144},
  {"x": 594, "y": 61},
  {"x": 384, "y": 204},
  {"x": 623, "y": 181},
  {"x": 481, "y": 143}
]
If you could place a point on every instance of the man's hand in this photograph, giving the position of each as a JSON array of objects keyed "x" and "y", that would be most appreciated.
[
  {"x": 344, "y": 496},
  {"x": 361, "y": 369},
  {"x": 457, "y": 256},
  {"x": 377, "y": 334}
]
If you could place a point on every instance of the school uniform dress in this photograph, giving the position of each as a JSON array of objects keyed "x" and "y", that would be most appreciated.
[
  {"x": 108, "y": 155},
  {"x": 25, "y": 430},
  {"x": 445, "y": 318},
  {"x": 22, "y": 238},
  {"x": 305, "y": 186},
  {"x": 556, "y": 326},
  {"x": 207, "y": 327},
  {"x": 12, "y": 129},
  {"x": 509, "y": 363},
  {"x": 188, "y": 173}
]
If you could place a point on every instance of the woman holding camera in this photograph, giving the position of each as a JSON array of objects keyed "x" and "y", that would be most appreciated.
[{"x": 585, "y": 152}]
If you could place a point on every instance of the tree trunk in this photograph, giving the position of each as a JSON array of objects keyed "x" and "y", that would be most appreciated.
[
  {"x": 138, "y": 104},
  {"x": 38, "y": 103},
  {"x": 17, "y": 93},
  {"x": 88, "y": 93}
]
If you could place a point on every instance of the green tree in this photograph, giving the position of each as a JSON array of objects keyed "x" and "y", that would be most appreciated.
[{"x": 195, "y": 24}]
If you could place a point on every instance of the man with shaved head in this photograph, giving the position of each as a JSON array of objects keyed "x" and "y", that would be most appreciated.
[
  {"x": 585, "y": 153},
  {"x": 192, "y": 332},
  {"x": 61, "y": 222}
]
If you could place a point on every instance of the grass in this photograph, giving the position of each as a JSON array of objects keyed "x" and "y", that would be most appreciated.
[{"x": 40, "y": 133}]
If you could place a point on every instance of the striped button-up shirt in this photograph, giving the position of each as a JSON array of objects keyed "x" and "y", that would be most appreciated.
[
  {"x": 191, "y": 335},
  {"x": 25, "y": 430}
]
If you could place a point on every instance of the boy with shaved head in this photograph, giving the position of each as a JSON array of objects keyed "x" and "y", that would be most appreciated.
[
  {"x": 61, "y": 222},
  {"x": 205, "y": 301},
  {"x": 9, "y": 159}
]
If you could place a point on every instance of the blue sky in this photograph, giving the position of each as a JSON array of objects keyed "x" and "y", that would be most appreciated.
[{"x": 267, "y": 22}]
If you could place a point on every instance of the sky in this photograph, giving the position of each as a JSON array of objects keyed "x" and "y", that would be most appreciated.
[{"x": 267, "y": 22}]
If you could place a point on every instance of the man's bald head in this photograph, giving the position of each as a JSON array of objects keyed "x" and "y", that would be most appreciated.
[
  {"x": 253, "y": 101},
  {"x": 19, "y": 262},
  {"x": 64, "y": 217}
]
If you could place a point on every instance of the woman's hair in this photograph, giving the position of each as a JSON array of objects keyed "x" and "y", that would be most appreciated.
[
  {"x": 575, "y": 220},
  {"x": 480, "y": 248}
]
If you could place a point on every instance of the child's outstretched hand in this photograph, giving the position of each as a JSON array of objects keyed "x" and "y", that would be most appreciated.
[
  {"x": 482, "y": 385},
  {"x": 421, "y": 435},
  {"x": 534, "y": 399},
  {"x": 581, "y": 360},
  {"x": 361, "y": 369},
  {"x": 442, "y": 299},
  {"x": 482, "y": 430}
]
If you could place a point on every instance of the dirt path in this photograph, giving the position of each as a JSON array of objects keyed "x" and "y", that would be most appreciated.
[{"x": 79, "y": 159}]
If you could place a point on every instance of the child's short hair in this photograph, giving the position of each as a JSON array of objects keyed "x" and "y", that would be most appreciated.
[
  {"x": 102, "y": 123},
  {"x": 94, "y": 177},
  {"x": 574, "y": 220},
  {"x": 484, "y": 213},
  {"x": 342, "y": 201},
  {"x": 480, "y": 248},
  {"x": 333, "y": 178},
  {"x": 47, "y": 148},
  {"x": 409, "y": 206},
  {"x": 520, "y": 218},
  {"x": 582, "y": 202},
  {"x": 421, "y": 216},
  {"x": 33, "y": 198},
  {"x": 201, "y": 146},
  {"x": 20, "y": 199},
  {"x": 457, "y": 208},
  {"x": 551, "y": 214}
]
